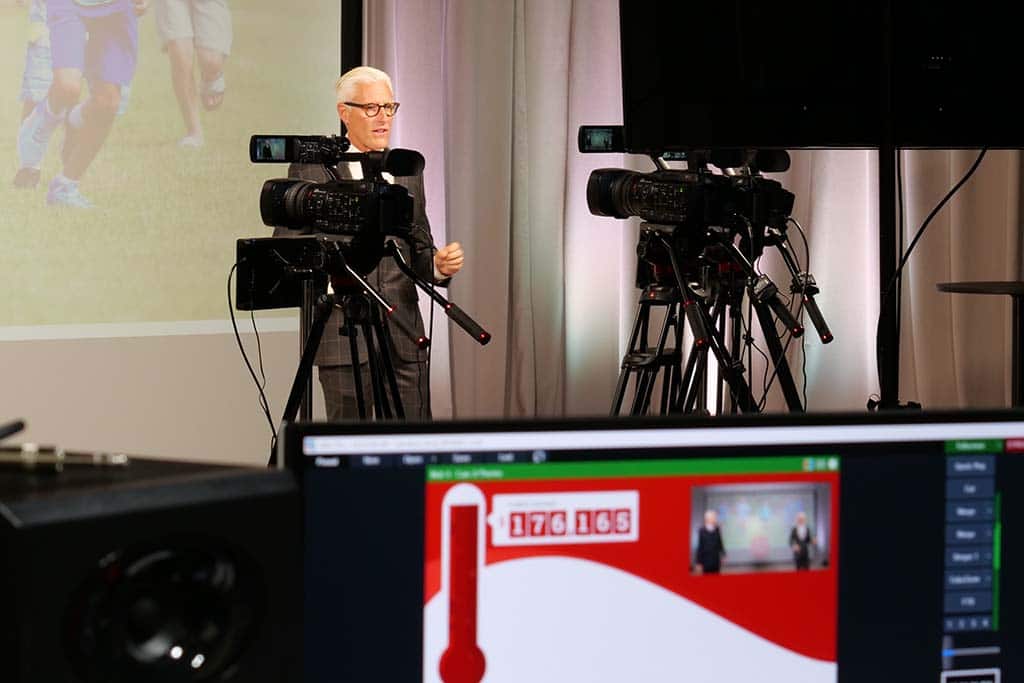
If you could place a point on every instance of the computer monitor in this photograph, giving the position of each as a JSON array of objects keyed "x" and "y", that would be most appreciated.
[
  {"x": 766, "y": 548},
  {"x": 812, "y": 74}
]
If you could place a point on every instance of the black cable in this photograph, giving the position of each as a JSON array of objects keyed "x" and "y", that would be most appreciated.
[
  {"x": 259, "y": 349},
  {"x": 903, "y": 260},
  {"x": 752, "y": 345},
  {"x": 264, "y": 404}
]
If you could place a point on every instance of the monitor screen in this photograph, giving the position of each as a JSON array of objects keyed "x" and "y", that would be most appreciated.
[
  {"x": 804, "y": 73},
  {"x": 816, "y": 549},
  {"x": 730, "y": 74}
]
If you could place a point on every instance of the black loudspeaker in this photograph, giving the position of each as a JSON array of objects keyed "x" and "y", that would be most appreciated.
[{"x": 157, "y": 571}]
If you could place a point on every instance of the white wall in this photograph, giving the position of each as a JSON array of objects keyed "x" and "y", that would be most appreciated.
[{"x": 185, "y": 397}]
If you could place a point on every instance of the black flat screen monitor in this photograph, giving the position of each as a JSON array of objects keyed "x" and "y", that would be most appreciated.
[
  {"x": 955, "y": 73},
  {"x": 770, "y": 549},
  {"x": 744, "y": 74},
  {"x": 808, "y": 74}
]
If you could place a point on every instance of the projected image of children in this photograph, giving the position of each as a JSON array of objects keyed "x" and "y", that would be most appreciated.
[
  {"x": 767, "y": 527},
  {"x": 97, "y": 42}
]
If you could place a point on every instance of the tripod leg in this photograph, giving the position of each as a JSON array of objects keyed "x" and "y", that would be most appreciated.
[
  {"x": 652, "y": 374},
  {"x": 778, "y": 356},
  {"x": 324, "y": 307},
  {"x": 696, "y": 384},
  {"x": 736, "y": 332},
  {"x": 684, "y": 388},
  {"x": 357, "y": 375},
  {"x": 677, "y": 362},
  {"x": 625, "y": 369},
  {"x": 642, "y": 380},
  {"x": 719, "y": 321},
  {"x": 380, "y": 403},
  {"x": 389, "y": 367},
  {"x": 733, "y": 372}
]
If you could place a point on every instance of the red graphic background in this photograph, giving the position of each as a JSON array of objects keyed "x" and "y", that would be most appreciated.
[{"x": 796, "y": 610}]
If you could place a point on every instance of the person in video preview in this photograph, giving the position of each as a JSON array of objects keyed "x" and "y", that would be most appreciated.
[
  {"x": 367, "y": 106},
  {"x": 800, "y": 542},
  {"x": 710, "y": 549},
  {"x": 97, "y": 39},
  {"x": 195, "y": 30}
]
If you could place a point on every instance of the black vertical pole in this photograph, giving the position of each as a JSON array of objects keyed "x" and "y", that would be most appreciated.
[
  {"x": 1018, "y": 363},
  {"x": 351, "y": 38},
  {"x": 351, "y": 34},
  {"x": 889, "y": 334}
]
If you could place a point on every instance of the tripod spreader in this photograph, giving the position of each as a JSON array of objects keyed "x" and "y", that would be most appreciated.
[{"x": 458, "y": 316}]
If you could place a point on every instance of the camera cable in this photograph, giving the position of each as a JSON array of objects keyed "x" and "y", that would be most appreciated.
[
  {"x": 898, "y": 275},
  {"x": 264, "y": 404},
  {"x": 807, "y": 268}
]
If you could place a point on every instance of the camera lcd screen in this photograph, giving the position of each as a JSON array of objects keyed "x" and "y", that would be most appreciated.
[
  {"x": 268, "y": 149},
  {"x": 600, "y": 139}
]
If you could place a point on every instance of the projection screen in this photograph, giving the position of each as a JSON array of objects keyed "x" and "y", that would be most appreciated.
[{"x": 155, "y": 247}]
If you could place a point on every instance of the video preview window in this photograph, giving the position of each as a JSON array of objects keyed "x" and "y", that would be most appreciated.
[
  {"x": 760, "y": 527},
  {"x": 556, "y": 559}
]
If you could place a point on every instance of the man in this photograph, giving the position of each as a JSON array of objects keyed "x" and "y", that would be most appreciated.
[
  {"x": 710, "y": 549},
  {"x": 800, "y": 542},
  {"x": 97, "y": 39},
  {"x": 195, "y": 30},
  {"x": 366, "y": 105}
]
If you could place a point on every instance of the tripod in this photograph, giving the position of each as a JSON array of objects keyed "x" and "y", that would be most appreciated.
[
  {"x": 362, "y": 312},
  {"x": 711, "y": 310}
]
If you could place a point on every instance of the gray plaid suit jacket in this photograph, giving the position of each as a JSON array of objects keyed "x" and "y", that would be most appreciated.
[{"x": 405, "y": 324}]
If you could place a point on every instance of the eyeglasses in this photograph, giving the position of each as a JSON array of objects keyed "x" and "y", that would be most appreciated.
[{"x": 372, "y": 109}]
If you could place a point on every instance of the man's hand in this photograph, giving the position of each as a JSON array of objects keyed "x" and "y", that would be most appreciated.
[
  {"x": 449, "y": 260},
  {"x": 140, "y": 7}
]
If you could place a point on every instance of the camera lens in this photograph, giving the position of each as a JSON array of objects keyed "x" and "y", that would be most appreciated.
[
  {"x": 606, "y": 191},
  {"x": 281, "y": 202}
]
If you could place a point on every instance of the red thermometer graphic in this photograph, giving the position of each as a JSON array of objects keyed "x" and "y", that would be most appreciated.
[{"x": 462, "y": 557}]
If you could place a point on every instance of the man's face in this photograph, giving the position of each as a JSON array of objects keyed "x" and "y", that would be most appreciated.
[{"x": 368, "y": 133}]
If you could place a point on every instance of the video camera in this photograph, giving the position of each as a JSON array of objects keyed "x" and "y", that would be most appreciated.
[
  {"x": 698, "y": 249},
  {"x": 694, "y": 208},
  {"x": 360, "y": 213}
]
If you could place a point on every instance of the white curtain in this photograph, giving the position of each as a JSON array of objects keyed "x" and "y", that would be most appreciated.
[{"x": 493, "y": 92}]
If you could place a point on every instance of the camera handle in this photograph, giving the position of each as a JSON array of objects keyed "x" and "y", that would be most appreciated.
[
  {"x": 11, "y": 428},
  {"x": 460, "y": 317},
  {"x": 803, "y": 283}
]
